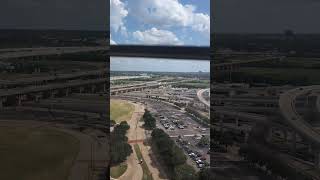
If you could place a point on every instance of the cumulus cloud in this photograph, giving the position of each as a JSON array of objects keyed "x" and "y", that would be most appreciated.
[
  {"x": 117, "y": 14},
  {"x": 168, "y": 13},
  {"x": 156, "y": 36}
]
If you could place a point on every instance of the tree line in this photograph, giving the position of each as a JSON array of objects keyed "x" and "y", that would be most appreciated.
[
  {"x": 149, "y": 120},
  {"x": 120, "y": 149},
  {"x": 175, "y": 159},
  {"x": 204, "y": 120}
]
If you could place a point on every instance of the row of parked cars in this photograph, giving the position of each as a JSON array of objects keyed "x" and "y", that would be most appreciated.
[
  {"x": 199, "y": 159},
  {"x": 171, "y": 126}
]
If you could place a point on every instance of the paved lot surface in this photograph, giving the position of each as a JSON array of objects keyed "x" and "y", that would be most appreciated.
[{"x": 191, "y": 133}]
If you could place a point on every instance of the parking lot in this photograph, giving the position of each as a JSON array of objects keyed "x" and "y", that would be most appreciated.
[{"x": 186, "y": 132}]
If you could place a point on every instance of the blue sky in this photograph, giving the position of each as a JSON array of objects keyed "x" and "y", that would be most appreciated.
[
  {"x": 162, "y": 22},
  {"x": 158, "y": 65}
]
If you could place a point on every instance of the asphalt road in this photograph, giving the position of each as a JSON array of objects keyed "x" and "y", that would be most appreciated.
[{"x": 201, "y": 98}]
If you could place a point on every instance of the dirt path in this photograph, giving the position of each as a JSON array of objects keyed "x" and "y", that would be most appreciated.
[
  {"x": 140, "y": 134},
  {"x": 135, "y": 134},
  {"x": 134, "y": 170}
]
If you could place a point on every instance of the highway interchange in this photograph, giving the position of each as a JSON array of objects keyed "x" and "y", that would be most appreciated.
[{"x": 168, "y": 116}]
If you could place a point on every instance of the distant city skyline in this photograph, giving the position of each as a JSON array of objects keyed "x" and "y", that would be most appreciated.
[{"x": 158, "y": 65}]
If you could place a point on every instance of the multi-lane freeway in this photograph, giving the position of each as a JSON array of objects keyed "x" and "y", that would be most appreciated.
[{"x": 288, "y": 109}]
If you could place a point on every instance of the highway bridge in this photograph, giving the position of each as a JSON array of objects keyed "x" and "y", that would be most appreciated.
[
  {"x": 22, "y": 53},
  {"x": 268, "y": 102},
  {"x": 235, "y": 66},
  {"x": 42, "y": 80},
  {"x": 142, "y": 84},
  {"x": 201, "y": 98},
  {"x": 17, "y": 95},
  {"x": 140, "y": 87},
  {"x": 287, "y": 104}
]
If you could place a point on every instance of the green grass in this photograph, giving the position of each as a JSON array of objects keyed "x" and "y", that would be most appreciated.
[
  {"x": 117, "y": 171},
  {"x": 36, "y": 154},
  {"x": 146, "y": 172},
  {"x": 120, "y": 110}
]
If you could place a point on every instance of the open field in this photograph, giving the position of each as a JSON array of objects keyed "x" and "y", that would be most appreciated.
[
  {"x": 38, "y": 153},
  {"x": 120, "y": 110},
  {"x": 146, "y": 172},
  {"x": 117, "y": 171}
]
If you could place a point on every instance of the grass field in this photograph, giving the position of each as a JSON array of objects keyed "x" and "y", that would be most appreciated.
[
  {"x": 117, "y": 171},
  {"x": 120, "y": 110},
  {"x": 146, "y": 172},
  {"x": 36, "y": 154}
]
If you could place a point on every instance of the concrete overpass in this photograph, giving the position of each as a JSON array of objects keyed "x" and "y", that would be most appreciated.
[
  {"x": 201, "y": 98},
  {"x": 22, "y": 53},
  {"x": 142, "y": 86},
  {"x": 114, "y": 78},
  {"x": 42, "y": 80},
  {"x": 268, "y": 102},
  {"x": 17, "y": 95},
  {"x": 235, "y": 66},
  {"x": 287, "y": 104}
]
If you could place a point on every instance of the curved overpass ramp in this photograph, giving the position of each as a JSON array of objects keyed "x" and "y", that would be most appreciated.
[
  {"x": 201, "y": 98},
  {"x": 287, "y": 107}
]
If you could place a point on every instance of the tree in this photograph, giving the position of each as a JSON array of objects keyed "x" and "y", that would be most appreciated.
[
  {"x": 178, "y": 157},
  {"x": 112, "y": 122},
  {"x": 184, "y": 172},
  {"x": 120, "y": 149},
  {"x": 149, "y": 120},
  {"x": 203, "y": 141},
  {"x": 204, "y": 174}
]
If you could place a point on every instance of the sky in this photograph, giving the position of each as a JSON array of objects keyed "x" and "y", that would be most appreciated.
[
  {"x": 160, "y": 22},
  {"x": 265, "y": 16},
  {"x": 158, "y": 65}
]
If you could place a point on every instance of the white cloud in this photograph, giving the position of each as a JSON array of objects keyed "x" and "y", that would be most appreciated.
[
  {"x": 154, "y": 36},
  {"x": 168, "y": 13},
  {"x": 112, "y": 42},
  {"x": 118, "y": 12},
  {"x": 201, "y": 23}
]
